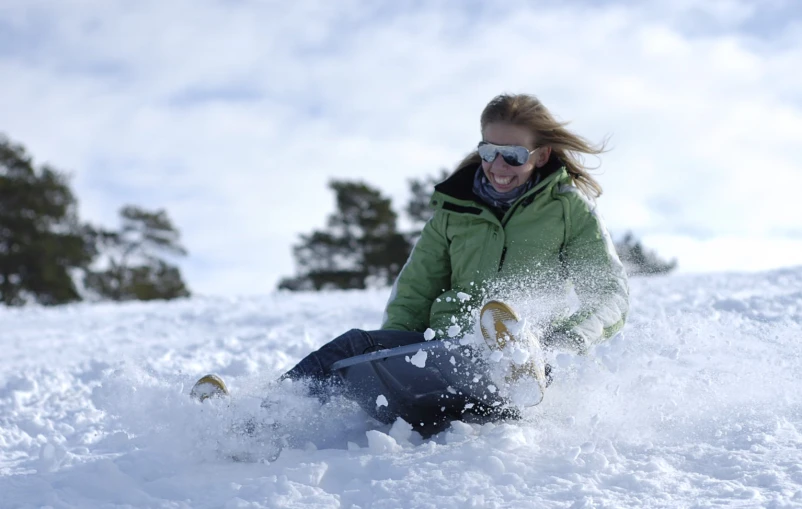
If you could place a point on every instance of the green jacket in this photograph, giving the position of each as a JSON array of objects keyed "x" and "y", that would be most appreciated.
[{"x": 550, "y": 249}]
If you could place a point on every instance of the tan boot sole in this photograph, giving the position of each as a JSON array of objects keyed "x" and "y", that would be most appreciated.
[
  {"x": 209, "y": 386},
  {"x": 497, "y": 334}
]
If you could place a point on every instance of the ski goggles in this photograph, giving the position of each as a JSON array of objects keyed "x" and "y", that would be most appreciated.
[{"x": 514, "y": 155}]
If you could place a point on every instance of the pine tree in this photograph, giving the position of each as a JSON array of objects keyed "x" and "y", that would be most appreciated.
[
  {"x": 134, "y": 270},
  {"x": 418, "y": 208},
  {"x": 640, "y": 261},
  {"x": 41, "y": 239},
  {"x": 360, "y": 248}
]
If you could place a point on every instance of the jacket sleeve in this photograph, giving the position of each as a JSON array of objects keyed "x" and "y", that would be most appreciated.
[
  {"x": 425, "y": 275},
  {"x": 598, "y": 277}
]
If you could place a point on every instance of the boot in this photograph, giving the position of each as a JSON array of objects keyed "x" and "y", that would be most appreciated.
[
  {"x": 502, "y": 329},
  {"x": 209, "y": 386}
]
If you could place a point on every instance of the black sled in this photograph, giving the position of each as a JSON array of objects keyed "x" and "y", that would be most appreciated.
[{"x": 453, "y": 384}]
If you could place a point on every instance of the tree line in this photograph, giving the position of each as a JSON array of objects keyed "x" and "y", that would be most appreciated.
[
  {"x": 362, "y": 245},
  {"x": 49, "y": 256}
]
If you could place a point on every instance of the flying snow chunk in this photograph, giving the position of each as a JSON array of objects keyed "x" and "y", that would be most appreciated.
[
  {"x": 520, "y": 356},
  {"x": 496, "y": 355},
  {"x": 487, "y": 320},
  {"x": 379, "y": 443},
  {"x": 401, "y": 431},
  {"x": 515, "y": 326},
  {"x": 381, "y": 401},
  {"x": 454, "y": 331},
  {"x": 428, "y": 335},
  {"x": 419, "y": 359},
  {"x": 463, "y": 296},
  {"x": 461, "y": 428},
  {"x": 467, "y": 340}
]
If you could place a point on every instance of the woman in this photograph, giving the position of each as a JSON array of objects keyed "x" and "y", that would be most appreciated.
[{"x": 516, "y": 217}]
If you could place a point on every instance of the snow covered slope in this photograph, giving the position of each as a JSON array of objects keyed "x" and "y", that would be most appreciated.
[{"x": 698, "y": 403}]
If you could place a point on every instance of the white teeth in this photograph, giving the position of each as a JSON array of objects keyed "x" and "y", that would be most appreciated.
[{"x": 502, "y": 180}]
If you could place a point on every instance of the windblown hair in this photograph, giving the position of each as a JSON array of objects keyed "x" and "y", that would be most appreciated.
[{"x": 527, "y": 111}]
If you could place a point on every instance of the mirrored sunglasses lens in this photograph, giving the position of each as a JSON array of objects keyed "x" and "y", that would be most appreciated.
[
  {"x": 514, "y": 156},
  {"x": 488, "y": 152}
]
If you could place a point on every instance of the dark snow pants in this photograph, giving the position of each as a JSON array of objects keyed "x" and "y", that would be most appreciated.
[{"x": 315, "y": 368}]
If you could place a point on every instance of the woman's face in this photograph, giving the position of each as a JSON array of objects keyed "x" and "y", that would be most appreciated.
[{"x": 502, "y": 176}]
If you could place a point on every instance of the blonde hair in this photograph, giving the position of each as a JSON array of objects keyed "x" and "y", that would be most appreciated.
[{"x": 527, "y": 111}]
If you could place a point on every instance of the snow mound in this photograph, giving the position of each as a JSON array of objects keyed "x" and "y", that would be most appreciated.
[{"x": 696, "y": 403}]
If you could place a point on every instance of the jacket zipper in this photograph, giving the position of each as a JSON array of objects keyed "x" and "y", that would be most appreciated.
[{"x": 503, "y": 254}]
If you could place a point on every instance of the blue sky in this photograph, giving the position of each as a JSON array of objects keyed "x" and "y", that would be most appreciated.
[{"x": 234, "y": 115}]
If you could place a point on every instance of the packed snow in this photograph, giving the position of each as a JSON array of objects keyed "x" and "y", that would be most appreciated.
[{"x": 698, "y": 403}]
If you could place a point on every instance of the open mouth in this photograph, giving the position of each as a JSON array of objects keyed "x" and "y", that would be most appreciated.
[{"x": 502, "y": 180}]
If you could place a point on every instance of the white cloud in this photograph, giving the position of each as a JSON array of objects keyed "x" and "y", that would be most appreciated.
[{"x": 234, "y": 115}]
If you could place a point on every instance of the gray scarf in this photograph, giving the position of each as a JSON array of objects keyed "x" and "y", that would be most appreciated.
[{"x": 484, "y": 190}]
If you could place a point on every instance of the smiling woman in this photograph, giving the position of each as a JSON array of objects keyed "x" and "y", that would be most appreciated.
[{"x": 518, "y": 213}]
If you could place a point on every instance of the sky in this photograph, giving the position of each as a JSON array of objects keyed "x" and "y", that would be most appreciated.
[{"x": 235, "y": 115}]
